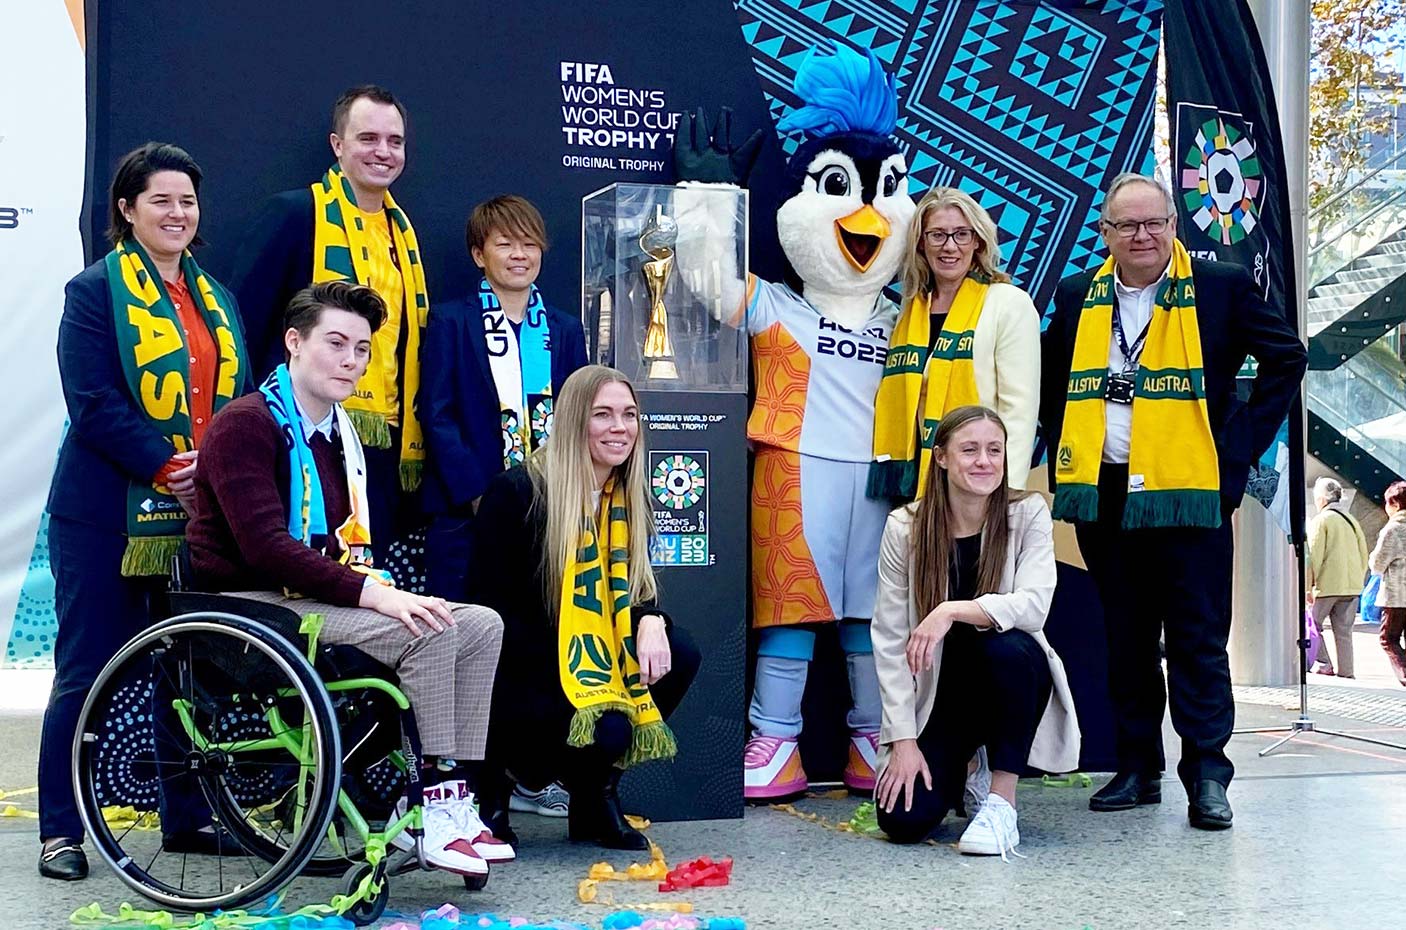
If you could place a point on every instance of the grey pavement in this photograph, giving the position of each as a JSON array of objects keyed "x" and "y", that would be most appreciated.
[{"x": 1317, "y": 842}]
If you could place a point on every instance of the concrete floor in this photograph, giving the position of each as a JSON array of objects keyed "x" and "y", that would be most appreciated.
[{"x": 1317, "y": 841}]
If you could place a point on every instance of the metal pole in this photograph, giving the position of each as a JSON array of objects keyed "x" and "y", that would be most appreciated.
[{"x": 1265, "y": 600}]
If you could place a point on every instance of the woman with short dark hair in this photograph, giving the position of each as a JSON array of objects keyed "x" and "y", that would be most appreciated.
[
  {"x": 966, "y": 575},
  {"x": 149, "y": 348}
]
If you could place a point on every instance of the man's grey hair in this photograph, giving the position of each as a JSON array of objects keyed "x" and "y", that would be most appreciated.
[
  {"x": 1329, "y": 489},
  {"x": 1132, "y": 177}
]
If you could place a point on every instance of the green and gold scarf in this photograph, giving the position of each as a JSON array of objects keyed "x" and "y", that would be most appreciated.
[
  {"x": 340, "y": 253},
  {"x": 596, "y": 644},
  {"x": 156, "y": 366},
  {"x": 1173, "y": 471},
  {"x": 901, "y": 457}
]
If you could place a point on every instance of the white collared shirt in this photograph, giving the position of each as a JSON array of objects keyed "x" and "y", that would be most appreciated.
[
  {"x": 1134, "y": 308},
  {"x": 309, "y": 427}
]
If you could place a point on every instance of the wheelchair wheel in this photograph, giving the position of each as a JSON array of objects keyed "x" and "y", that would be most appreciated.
[
  {"x": 475, "y": 882},
  {"x": 233, "y": 719},
  {"x": 370, "y": 910}
]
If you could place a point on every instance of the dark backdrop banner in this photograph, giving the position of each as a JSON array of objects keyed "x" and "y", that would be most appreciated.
[
  {"x": 1031, "y": 107},
  {"x": 1228, "y": 183}
]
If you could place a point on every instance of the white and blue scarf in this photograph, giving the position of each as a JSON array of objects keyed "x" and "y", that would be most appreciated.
[
  {"x": 307, "y": 511},
  {"x": 521, "y": 363}
]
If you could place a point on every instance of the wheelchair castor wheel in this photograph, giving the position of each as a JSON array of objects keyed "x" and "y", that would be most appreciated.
[
  {"x": 367, "y": 911},
  {"x": 475, "y": 882}
]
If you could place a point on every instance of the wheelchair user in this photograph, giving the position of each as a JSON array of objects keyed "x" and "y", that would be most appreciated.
[{"x": 282, "y": 517}]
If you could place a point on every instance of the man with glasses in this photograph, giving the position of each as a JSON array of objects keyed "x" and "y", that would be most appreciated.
[{"x": 1150, "y": 449}]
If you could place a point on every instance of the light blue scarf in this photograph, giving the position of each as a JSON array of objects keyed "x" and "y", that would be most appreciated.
[{"x": 521, "y": 363}]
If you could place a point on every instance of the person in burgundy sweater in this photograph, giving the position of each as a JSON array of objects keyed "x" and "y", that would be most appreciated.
[{"x": 244, "y": 540}]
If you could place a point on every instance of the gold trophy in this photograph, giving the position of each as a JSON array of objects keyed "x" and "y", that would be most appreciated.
[{"x": 657, "y": 240}]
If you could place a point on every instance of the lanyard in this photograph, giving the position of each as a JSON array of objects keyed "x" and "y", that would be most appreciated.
[{"x": 1130, "y": 354}]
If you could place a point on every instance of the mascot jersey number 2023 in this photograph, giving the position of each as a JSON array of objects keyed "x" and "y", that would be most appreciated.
[{"x": 818, "y": 347}]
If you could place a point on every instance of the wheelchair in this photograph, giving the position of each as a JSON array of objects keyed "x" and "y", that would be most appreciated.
[{"x": 300, "y": 751}]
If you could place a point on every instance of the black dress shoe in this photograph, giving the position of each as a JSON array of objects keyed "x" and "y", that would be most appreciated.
[
  {"x": 62, "y": 858},
  {"x": 217, "y": 842},
  {"x": 1209, "y": 809},
  {"x": 600, "y": 820},
  {"x": 1128, "y": 790}
]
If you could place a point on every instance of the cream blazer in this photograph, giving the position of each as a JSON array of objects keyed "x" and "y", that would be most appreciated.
[
  {"x": 1006, "y": 359},
  {"x": 1027, "y": 584}
]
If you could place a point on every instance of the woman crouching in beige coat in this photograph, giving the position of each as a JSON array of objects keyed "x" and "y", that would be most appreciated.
[{"x": 965, "y": 580}]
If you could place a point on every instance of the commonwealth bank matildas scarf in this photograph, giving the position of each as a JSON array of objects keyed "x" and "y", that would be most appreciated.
[{"x": 156, "y": 366}]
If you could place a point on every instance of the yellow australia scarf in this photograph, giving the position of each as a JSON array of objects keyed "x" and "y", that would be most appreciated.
[
  {"x": 156, "y": 366},
  {"x": 1173, "y": 472},
  {"x": 596, "y": 643},
  {"x": 340, "y": 253},
  {"x": 901, "y": 457}
]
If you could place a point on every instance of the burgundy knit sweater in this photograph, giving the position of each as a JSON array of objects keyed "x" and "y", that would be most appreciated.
[{"x": 238, "y": 537}]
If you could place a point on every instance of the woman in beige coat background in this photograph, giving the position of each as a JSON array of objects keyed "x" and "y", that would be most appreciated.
[{"x": 965, "y": 580}]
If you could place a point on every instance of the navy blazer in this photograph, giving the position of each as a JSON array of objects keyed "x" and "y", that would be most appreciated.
[
  {"x": 1234, "y": 322},
  {"x": 459, "y": 403},
  {"x": 274, "y": 262},
  {"x": 110, "y": 441}
]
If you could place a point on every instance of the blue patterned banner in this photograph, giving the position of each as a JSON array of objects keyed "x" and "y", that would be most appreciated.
[{"x": 1029, "y": 107}]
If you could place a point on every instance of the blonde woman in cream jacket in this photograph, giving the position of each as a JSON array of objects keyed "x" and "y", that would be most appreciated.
[{"x": 953, "y": 241}]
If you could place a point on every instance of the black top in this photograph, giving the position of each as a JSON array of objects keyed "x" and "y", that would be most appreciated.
[
  {"x": 510, "y": 532},
  {"x": 935, "y": 323},
  {"x": 961, "y": 575}
]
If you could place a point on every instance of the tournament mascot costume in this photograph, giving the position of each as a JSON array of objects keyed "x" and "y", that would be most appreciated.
[{"x": 818, "y": 347}]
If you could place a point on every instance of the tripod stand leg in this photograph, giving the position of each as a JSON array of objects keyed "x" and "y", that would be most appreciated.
[
  {"x": 1363, "y": 739},
  {"x": 1277, "y": 743}
]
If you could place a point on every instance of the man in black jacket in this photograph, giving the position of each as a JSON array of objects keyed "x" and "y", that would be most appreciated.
[
  {"x": 1169, "y": 579},
  {"x": 277, "y": 257}
]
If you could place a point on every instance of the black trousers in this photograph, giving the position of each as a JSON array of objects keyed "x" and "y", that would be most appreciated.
[
  {"x": 98, "y": 611},
  {"x": 1173, "y": 581},
  {"x": 449, "y": 546},
  {"x": 533, "y": 746},
  {"x": 394, "y": 512},
  {"x": 992, "y": 689}
]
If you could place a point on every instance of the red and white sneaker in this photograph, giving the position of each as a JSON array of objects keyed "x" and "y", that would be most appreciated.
[
  {"x": 771, "y": 768},
  {"x": 445, "y": 845},
  {"x": 464, "y": 807},
  {"x": 863, "y": 759}
]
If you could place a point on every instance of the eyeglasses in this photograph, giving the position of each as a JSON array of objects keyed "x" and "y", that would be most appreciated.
[
  {"x": 937, "y": 238},
  {"x": 1129, "y": 228}
]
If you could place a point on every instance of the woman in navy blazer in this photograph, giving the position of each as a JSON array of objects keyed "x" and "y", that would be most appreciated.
[
  {"x": 490, "y": 365},
  {"x": 113, "y": 445}
]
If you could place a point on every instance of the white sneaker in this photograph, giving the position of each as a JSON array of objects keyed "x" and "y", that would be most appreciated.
[
  {"x": 992, "y": 832},
  {"x": 978, "y": 785},
  {"x": 445, "y": 845},
  {"x": 551, "y": 801},
  {"x": 463, "y": 806}
]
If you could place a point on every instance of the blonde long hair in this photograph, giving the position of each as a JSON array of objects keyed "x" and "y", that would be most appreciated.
[
  {"x": 563, "y": 465},
  {"x": 986, "y": 260},
  {"x": 933, "y": 542}
]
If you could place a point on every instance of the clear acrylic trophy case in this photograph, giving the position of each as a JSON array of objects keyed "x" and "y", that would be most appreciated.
[{"x": 656, "y": 284}]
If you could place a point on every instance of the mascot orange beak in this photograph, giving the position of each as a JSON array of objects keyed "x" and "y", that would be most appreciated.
[{"x": 861, "y": 234}]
